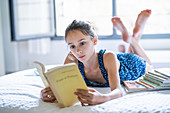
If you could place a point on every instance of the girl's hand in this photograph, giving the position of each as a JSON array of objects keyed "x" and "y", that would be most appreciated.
[
  {"x": 90, "y": 97},
  {"x": 47, "y": 95}
]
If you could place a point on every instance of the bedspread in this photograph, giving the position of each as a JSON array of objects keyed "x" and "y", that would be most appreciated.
[{"x": 20, "y": 92}]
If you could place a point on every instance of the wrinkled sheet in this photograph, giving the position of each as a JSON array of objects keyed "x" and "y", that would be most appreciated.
[{"x": 20, "y": 92}]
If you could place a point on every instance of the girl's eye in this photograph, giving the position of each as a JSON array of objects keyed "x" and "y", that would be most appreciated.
[
  {"x": 83, "y": 43},
  {"x": 72, "y": 47}
]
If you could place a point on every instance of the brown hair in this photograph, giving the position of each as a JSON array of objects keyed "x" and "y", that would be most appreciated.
[{"x": 83, "y": 26}]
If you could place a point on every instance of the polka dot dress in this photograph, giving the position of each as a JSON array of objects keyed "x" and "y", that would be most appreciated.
[{"x": 132, "y": 67}]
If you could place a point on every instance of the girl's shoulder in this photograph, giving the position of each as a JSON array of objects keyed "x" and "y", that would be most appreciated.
[
  {"x": 109, "y": 54},
  {"x": 110, "y": 60}
]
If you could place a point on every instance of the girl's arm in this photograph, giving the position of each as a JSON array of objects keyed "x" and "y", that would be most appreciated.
[
  {"x": 93, "y": 97},
  {"x": 112, "y": 66}
]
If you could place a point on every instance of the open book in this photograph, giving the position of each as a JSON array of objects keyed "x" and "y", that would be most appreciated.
[{"x": 63, "y": 81}]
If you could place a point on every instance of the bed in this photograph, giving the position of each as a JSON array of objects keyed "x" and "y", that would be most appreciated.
[{"x": 20, "y": 93}]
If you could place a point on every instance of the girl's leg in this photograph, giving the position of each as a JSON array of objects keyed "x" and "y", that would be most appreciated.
[
  {"x": 137, "y": 33},
  {"x": 139, "y": 25},
  {"x": 137, "y": 49},
  {"x": 117, "y": 23}
]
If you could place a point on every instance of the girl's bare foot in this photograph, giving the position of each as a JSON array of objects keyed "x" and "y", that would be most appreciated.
[
  {"x": 140, "y": 23},
  {"x": 117, "y": 23}
]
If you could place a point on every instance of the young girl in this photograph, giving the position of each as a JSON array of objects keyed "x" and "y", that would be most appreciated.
[{"x": 104, "y": 68}]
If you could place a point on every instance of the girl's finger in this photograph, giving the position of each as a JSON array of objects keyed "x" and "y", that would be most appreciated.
[
  {"x": 52, "y": 99},
  {"x": 84, "y": 93},
  {"x": 45, "y": 94},
  {"x": 47, "y": 89},
  {"x": 84, "y": 96},
  {"x": 48, "y": 98},
  {"x": 83, "y": 101},
  {"x": 92, "y": 90}
]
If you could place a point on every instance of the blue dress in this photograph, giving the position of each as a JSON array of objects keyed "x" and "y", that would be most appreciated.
[{"x": 131, "y": 67}]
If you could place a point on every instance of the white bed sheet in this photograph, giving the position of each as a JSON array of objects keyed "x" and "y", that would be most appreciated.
[{"x": 20, "y": 92}]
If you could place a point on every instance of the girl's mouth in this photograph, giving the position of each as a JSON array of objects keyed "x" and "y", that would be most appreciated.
[{"x": 81, "y": 56}]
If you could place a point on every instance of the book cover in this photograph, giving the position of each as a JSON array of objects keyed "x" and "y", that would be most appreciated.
[
  {"x": 163, "y": 71},
  {"x": 158, "y": 78},
  {"x": 63, "y": 81},
  {"x": 147, "y": 82},
  {"x": 153, "y": 84},
  {"x": 151, "y": 80},
  {"x": 132, "y": 86},
  {"x": 159, "y": 75},
  {"x": 155, "y": 79},
  {"x": 142, "y": 85}
]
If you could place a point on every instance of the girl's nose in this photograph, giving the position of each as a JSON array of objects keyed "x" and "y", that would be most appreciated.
[{"x": 78, "y": 50}]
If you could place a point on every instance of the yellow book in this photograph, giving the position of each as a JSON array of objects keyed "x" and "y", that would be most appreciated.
[
  {"x": 41, "y": 70},
  {"x": 63, "y": 81}
]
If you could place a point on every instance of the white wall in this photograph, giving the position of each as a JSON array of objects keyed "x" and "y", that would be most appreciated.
[
  {"x": 18, "y": 57},
  {"x": 10, "y": 48},
  {"x": 2, "y": 66},
  {"x": 56, "y": 55}
]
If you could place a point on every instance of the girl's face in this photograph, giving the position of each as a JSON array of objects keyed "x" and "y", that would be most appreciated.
[{"x": 81, "y": 46}]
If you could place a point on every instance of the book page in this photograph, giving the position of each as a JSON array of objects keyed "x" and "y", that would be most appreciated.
[
  {"x": 41, "y": 70},
  {"x": 64, "y": 81}
]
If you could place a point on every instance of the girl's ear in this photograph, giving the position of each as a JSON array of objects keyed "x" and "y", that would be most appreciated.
[{"x": 95, "y": 40}]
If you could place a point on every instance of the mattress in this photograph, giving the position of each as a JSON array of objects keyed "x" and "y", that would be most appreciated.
[{"x": 20, "y": 92}]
